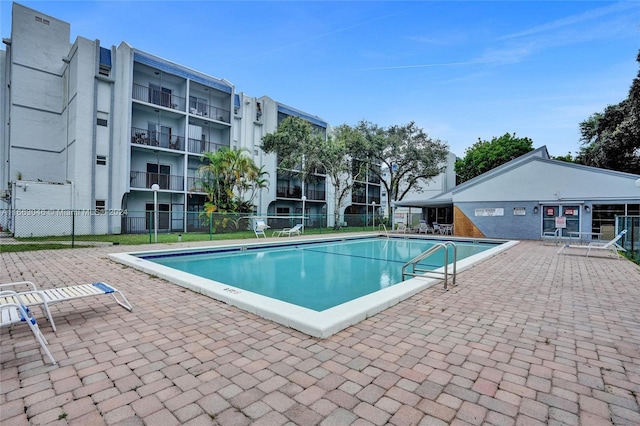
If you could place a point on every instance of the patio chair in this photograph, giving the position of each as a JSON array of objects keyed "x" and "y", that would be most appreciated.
[
  {"x": 259, "y": 228},
  {"x": 609, "y": 245},
  {"x": 12, "y": 313},
  {"x": 288, "y": 231},
  {"x": 45, "y": 298}
]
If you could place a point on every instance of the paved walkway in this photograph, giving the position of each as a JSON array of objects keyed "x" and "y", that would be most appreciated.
[{"x": 526, "y": 338}]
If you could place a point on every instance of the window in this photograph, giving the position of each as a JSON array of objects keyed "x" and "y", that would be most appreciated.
[
  {"x": 100, "y": 206},
  {"x": 101, "y": 122},
  {"x": 104, "y": 70},
  {"x": 101, "y": 160}
]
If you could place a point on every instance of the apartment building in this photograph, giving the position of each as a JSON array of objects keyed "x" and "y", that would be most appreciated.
[{"x": 96, "y": 128}]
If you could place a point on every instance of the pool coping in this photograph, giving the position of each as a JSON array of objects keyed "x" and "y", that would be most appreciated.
[{"x": 317, "y": 324}]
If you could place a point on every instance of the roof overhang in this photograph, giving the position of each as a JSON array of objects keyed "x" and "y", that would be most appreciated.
[{"x": 440, "y": 202}]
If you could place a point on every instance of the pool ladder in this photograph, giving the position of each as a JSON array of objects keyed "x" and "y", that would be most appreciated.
[
  {"x": 418, "y": 272},
  {"x": 381, "y": 227}
]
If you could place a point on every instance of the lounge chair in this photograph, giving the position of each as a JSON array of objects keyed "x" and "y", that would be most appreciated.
[
  {"x": 259, "y": 228},
  {"x": 45, "y": 298},
  {"x": 288, "y": 231},
  {"x": 612, "y": 245},
  {"x": 424, "y": 228},
  {"x": 609, "y": 245},
  {"x": 12, "y": 313},
  {"x": 401, "y": 228}
]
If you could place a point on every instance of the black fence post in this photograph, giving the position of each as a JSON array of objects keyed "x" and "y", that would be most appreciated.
[{"x": 73, "y": 229}]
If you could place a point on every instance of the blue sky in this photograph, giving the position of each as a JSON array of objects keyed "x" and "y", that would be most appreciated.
[{"x": 462, "y": 70}]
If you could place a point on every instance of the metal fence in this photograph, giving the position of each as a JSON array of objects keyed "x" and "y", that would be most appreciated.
[
  {"x": 94, "y": 225},
  {"x": 631, "y": 241}
]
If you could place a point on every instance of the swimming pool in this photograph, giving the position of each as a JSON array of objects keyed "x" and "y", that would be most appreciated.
[{"x": 317, "y": 286}]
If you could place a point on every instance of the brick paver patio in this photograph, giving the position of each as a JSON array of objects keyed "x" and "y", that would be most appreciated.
[{"x": 526, "y": 338}]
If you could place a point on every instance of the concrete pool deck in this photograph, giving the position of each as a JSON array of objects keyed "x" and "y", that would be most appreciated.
[{"x": 527, "y": 337}]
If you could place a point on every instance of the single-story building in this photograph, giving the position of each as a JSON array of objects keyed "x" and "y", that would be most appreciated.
[{"x": 532, "y": 196}]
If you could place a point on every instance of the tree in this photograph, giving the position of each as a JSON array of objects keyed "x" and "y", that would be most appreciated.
[
  {"x": 303, "y": 152},
  {"x": 405, "y": 153},
  {"x": 298, "y": 147},
  {"x": 486, "y": 155},
  {"x": 231, "y": 180},
  {"x": 611, "y": 139},
  {"x": 338, "y": 162},
  {"x": 568, "y": 158}
]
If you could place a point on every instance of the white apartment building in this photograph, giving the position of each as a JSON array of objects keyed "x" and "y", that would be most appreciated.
[{"x": 100, "y": 125}]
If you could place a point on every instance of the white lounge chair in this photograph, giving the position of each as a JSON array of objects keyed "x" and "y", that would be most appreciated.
[
  {"x": 401, "y": 228},
  {"x": 287, "y": 232},
  {"x": 12, "y": 313},
  {"x": 612, "y": 245},
  {"x": 259, "y": 228},
  {"x": 45, "y": 298},
  {"x": 609, "y": 245}
]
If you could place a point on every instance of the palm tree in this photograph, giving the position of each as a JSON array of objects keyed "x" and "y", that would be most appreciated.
[{"x": 231, "y": 180}]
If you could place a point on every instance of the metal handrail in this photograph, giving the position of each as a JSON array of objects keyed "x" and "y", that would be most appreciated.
[
  {"x": 416, "y": 272},
  {"x": 384, "y": 228}
]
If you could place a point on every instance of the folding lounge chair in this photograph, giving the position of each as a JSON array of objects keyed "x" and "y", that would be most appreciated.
[
  {"x": 288, "y": 231},
  {"x": 45, "y": 298},
  {"x": 609, "y": 245},
  {"x": 16, "y": 312}
]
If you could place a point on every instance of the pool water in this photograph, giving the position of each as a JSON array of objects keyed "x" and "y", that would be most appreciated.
[{"x": 316, "y": 276}]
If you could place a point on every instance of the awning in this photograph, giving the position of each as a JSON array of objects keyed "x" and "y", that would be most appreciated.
[{"x": 440, "y": 202}]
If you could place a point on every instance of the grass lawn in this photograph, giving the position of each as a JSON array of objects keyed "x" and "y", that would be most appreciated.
[{"x": 64, "y": 242}]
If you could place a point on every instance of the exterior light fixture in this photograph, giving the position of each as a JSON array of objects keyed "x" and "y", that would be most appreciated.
[{"x": 535, "y": 209}]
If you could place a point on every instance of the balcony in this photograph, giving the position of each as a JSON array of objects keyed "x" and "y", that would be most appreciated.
[
  {"x": 361, "y": 199},
  {"x": 156, "y": 139},
  {"x": 287, "y": 192},
  {"x": 296, "y": 193},
  {"x": 209, "y": 111},
  {"x": 194, "y": 185},
  {"x": 158, "y": 97},
  {"x": 198, "y": 146},
  {"x": 316, "y": 195},
  {"x": 138, "y": 179}
]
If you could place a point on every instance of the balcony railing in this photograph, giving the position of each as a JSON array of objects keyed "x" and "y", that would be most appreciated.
[
  {"x": 140, "y": 179},
  {"x": 156, "y": 139},
  {"x": 209, "y": 111},
  {"x": 315, "y": 194},
  {"x": 198, "y": 146},
  {"x": 158, "y": 97},
  {"x": 296, "y": 192},
  {"x": 286, "y": 192},
  {"x": 194, "y": 185}
]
